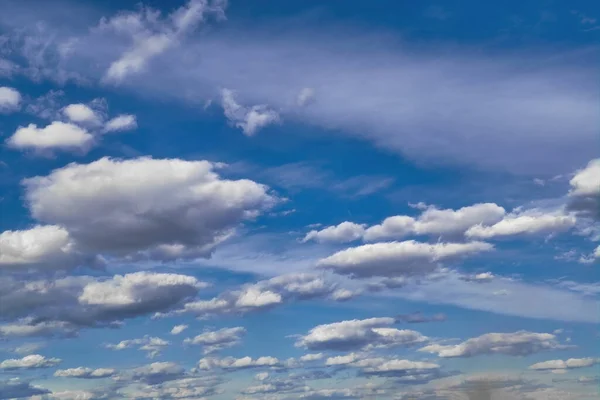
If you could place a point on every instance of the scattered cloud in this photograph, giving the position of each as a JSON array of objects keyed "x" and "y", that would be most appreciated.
[
  {"x": 32, "y": 361},
  {"x": 249, "y": 119},
  {"x": 85, "y": 373},
  {"x": 177, "y": 329},
  {"x": 358, "y": 334},
  {"x": 10, "y": 99},
  {"x": 213, "y": 341},
  {"x": 520, "y": 343},
  {"x": 56, "y": 136},
  {"x": 125, "y": 122}
]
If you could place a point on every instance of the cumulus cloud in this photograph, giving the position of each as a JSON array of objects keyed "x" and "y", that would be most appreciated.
[
  {"x": 342, "y": 233},
  {"x": 152, "y": 345},
  {"x": 397, "y": 259},
  {"x": 177, "y": 329},
  {"x": 56, "y": 136},
  {"x": 157, "y": 373},
  {"x": 43, "y": 246},
  {"x": 10, "y": 99},
  {"x": 584, "y": 195},
  {"x": 434, "y": 221},
  {"x": 85, "y": 373},
  {"x": 121, "y": 123},
  {"x": 82, "y": 114},
  {"x": 249, "y": 119},
  {"x": 520, "y": 343},
  {"x": 145, "y": 208},
  {"x": 151, "y": 36},
  {"x": 526, "y": 222},
  {"x": 62, "y": 306},
  {"x": 358, "y": 334},
  {"x": 32, "y": 361},
  {"x": 560, "y": 365},
  {"x": 265, "y": 294},
  {"x": 213, "y": 341},
  {"x": 230, "y": 363}
]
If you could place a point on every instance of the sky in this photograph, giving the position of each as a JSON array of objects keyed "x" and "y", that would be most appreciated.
[{"x": 212, "y": 199}]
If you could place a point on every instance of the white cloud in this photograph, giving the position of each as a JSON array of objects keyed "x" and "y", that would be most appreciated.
[
  {"x": 358, "y": 334},
  {"x": 82, "y": 114},
  {"x": 145, "y": 208},
  {"x": 249, "y": 119},
  {"x": 571, "y": 363},
  {"x": 396, "y": 259},
  {"x": 151, "y": 36},
  {"x": 343, "y": 294},
  {"x": 157, "y": 372},
  {"x": 10, "y": 99},
  {"x": 342, "y": 233},
  {"x": 153, "y": 346},
  {"x": 85, "y": 373},
  {"x": 57, "y": 135},
  {"x": 28, "y": 348},
  {"x": 527, "y": 222},
  {"x": 218, "y": 340},
  {"x": 520, "y": 343},
  {"x": 47, "y": 246},
  {"x": 177, "y": 329},
  {"x": 237, "y": 363},
  {"x": 311, "y": 357},
  {"x": 121, "y": 123},
  {"x": 584, "y": 195},
  {"x": 254, "y": 297},
  {"x": 32, "y": 361}
]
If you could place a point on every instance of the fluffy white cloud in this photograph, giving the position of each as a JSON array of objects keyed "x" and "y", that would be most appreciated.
[
  {"x": 177, "y": 329},
  {"x": 255, "y": 298},
  {"x": 121, "y": 123},
  {"x": 249, "y": 119},
  {"x": 157, "y": 372},
  {"x": 584, "y": 195},
  {"x": 32, "y": 361},
  {"x": 82, "y": 114},
  {"x": 152, "y": 345},
  {"x": 85, "y": 373},
  {"x": 434, "y": 221},
  {"x": 145, "y": 208},
  {"x": 237, "y": 363},
  {"x": 61, "y": 306},
  {"x": 151, "y": 36},
  {"x": 41, "y": 246},
  {"x": 571, "y": 363},
  {"x": 527, "y": 222},
  {"x": 311, "y": 357},
  {"x": 358, "y": 334},
  {"x": 520, "y": 343},
  {"x": 265, "y": 294},
  {"x": 342, "y": 233},
  {"x": 218, "y": 340},
  {"x": 10, "y": 99},
  {"x": 57, "y": 135},
  {"x": 396, "y": 259}
]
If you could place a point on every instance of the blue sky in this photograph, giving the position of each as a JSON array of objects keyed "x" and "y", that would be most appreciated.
[{"x": 213, "y": 199}]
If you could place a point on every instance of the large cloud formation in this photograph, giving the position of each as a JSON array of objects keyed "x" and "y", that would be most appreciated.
[{"x": 145, "y": 208}]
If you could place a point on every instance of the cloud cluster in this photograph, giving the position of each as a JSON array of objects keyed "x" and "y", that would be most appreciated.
[
  {"x": 231, "y": 363},
  {"x": 356, "y": 334},
  {"x": 85, "y": 373},
  {"x": 77, "y": 131},
  {"x": 152, "y": 345},
  {"x": 213, "y": 341},
  {"x": 32, "y": 361},
  {"x": 398, "y": 259},
  {"x": 562, "y": 365},
  {"x": 62, "y": 306},
  {"x": 520, "y": 343},
  {"x": 141, "y": 208}
]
